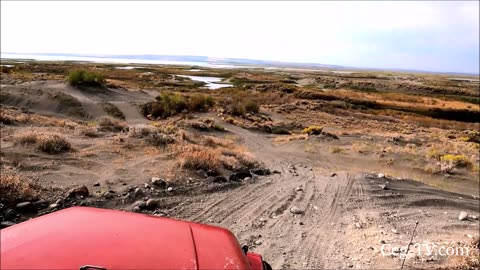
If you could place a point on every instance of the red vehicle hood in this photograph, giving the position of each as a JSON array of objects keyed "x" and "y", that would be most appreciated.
[{"x": 78, "y": 236}]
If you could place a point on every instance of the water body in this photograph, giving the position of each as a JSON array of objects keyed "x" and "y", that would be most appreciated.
[
  {"x": 211, "y": 82},
  {"x": 110, "y": 60}
]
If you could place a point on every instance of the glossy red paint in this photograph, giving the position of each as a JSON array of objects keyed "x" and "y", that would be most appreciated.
[{"x": 78, "y": 236}]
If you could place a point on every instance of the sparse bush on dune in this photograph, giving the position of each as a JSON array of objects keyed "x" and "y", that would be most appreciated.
[
  {"x": 15, "y": 188},
  {"x": 27, "y": 138},
  {"x": 313, "y": 130},
  {"x": 49, "y": 143},
  {"x": 200, "y": 103},
  {"x": 152, "y": 135},
  {"x": 200, "y": 158},
  {"x": 85, "y": 78},
  {"x": 113, "y": 110},
  {"x": 461, "y": 161},
  {"x": 110, "y": 124},
  {"x": 214, "y": 155},
  {"x": 6, "y": 119},
  {"x": 53, "y": 144},
  {"x": 167, "y": 105}
]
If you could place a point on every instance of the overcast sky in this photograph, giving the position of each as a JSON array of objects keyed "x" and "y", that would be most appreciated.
[{"x": 435, "y": 36}]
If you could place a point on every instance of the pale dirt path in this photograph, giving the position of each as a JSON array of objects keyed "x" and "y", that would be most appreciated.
[{"x": 325, "y": 235}]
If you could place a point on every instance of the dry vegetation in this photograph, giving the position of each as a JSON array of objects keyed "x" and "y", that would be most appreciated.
[
  {"x": 16, "y": 188},
  {"x": 49, "y": 143}
]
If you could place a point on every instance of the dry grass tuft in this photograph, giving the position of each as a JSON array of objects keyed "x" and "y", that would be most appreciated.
[
  {"x": 313, "y": 130},
  {"x": 53, "y": 144},
  {"x": 49, "y": 143},
  {"x": 213, "y": 155},
  {"x": 14, "y": 188},
  {"x": 110, "y": 124},
  {"x": 200, "y": 158},
  {"x": 153, "y": 135}
]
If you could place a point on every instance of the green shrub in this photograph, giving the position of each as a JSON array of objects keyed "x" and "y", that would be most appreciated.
[
  {"x": 166, "y": 104},
  {"x": 251, "y": 106},
  {"x": 200, "y": 102},
  {"x": 85, "y": 78}
]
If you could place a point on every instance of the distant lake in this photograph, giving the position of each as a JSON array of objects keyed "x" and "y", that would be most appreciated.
[
  {"x": 211, "y": 82},
  {"x": 110, "y": 60}
]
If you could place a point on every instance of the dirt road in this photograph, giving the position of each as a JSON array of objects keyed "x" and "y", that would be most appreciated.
[{"x": 343, "y": 219}]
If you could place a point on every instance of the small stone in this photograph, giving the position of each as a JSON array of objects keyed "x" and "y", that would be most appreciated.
[
  {"x": 7, "y": 223},
  {"x": 384, "y": 187},
  {"x": 276, "y": 172},
  {"x": 9, "y": 213},
  {"x": 159, "y": 182},
  {"x": 301, "y": 223},
  {"x": 59, "y": 201},
  {"x": 170, "y": 189},
  {"x": 146, "y": 185},
  {"x": 298, "y": 189},
  {"x": 473, "y": 217},
  {"x": 140, "y": 204},
  {"x": 358, "y": 225},
  {"x": 151, "y": 204},
  {"x": 97, "y": 184},
  {"x": 258, "y": 242},
  {"x": 381, "y": 175},
  {"x": 394, "y": 231},
  {"x": 138, "y": 192},
  {"x": 295, "y": 210},
  {"x": 202, "y": 173},
  {"x": 382, "y": 242},
  {"x": 350, "y": 265},
  {"x": 247, "y": 179},
  {"x": 463, "y": 215},
  {"x": 78, "y": 191},
  {"x": 107, "y": 195},
  {"x": 23, "y": 205},
  {"x": 53, "y": 206},
  {"x": 333, "y": 174},
  {"x": 469, "y": 236}
]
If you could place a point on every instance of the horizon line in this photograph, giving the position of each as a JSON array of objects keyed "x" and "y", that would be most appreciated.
[{"x": 312, "y": 64}]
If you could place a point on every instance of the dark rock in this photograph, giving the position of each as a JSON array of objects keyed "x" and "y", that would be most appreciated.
[
  {"x": 333, "y": 175},
  {"x": 6, "y": 224},
  {"x": 107, "y": 195},
  {"x": 158, "y": 182},
  {"x": 202, "y": 173},
  {"x": 140, "y": 204},
  {"x": 9, "y": 214},
  {"x": 151, "y": 204},
  {"x": 40, "y": 204},
  {"x": 218, "y": 179},
  {"x": 138, "y": 192},
  {"x": 261, "y": 171},
  {"x": 239, "y": 175},
  {"x": 276, "y": 172},
  {"x": 78, "y": 191},
  {"x": 24, "y": 206}
]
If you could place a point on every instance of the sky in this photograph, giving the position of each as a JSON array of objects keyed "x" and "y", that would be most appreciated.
[{"x": 433, "y": 35}]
